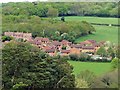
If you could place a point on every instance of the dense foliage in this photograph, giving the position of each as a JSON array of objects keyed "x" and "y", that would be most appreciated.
[
  {"x": 6, "y": 38},
  {"x": 108, "y": 80},
  {"x": 47, "y": 27},
  {"x": 87, "y": 79},
  {"x": 86, "y": 58},
  {"x": 64, "y": 9},
  {"x": 24, "y": 66}
]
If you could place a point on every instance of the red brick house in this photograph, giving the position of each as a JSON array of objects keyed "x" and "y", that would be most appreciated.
[
  {"x": 66, "y": 43},
  {"x": 88, "y": 49},
  {"x": 19, "y": 35},
  {"x": 51, "y": 52},
  {"x": 65, "y": 52},
  {"x": 45, "y": 40}
]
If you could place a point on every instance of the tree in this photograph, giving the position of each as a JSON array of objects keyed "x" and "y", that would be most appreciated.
[
  {"x": 83, "y": 57},
  {"x": 19, "y": 86},
  {"x": 6, "y": 38},
  {"x": 52, "y": 12},
  {"x": 108, "y": 80},
  {"x": 115, "y": 63},
  {"x": 74, "y": 57},
  {"x": 101, "y": 51},
  {"x": 80, "y": 83},
  {"x": 87, "y": 76},
  {"x": 111, "y": 52},
  {"x": 63, "y": 19},
  {"x": 35, "y": 69}
]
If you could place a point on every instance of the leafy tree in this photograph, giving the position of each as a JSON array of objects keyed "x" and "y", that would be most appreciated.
[
  {"x": 83, "y": 57},
  {"x": 101, "y": 51},
  {"x": 115, "y": 63},
  {"x": 111, "y": 52},
  {"x": 63, "y": 19},
  {"x": 64, "y": 9},
  {"x": 80, "y": 83},
  {"x": 74, "y": 57},
  {"x": 6, "y": 38},
  {"x": 19, "y": 86},
  {"x": 52, "y": 12},
  {"x": 108, "y": 80},
  {"x": 35, "y": 69},
  {"x": 87, "y": 76}
]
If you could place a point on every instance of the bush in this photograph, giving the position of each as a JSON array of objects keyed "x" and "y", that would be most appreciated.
[
  {"x": 6, "y": 38},
  {"x": 87, "y": 76},
  {"x": 108, "y": 80},
  {"x": 83, "y": 57},
  {"x": 74, "y": 57},
  {"x": 115, "y": 63}
]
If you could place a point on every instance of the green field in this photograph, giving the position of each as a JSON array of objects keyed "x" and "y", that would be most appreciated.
[
  {"x": 101, "y": 20},
  {"x": 97, "y": 68},
  {"x": 103, "y": 33}
]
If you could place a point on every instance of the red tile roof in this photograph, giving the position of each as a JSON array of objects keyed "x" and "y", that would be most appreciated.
[
  {"x": 76, "y": 46},
  {"x": 88, "y": 47},
  {"x": 38, "y": 39},
  {"x": 45, "y": 40},
  {"x": 65, "y": 51},
  {"x": 56, "y": 43},
  {"x": 92, "y": 41},
  {"x": 50, "y": 50}
]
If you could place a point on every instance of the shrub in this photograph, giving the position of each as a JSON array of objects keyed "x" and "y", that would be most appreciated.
[
  {"x": 74, "y": 57},
  {"x": 83, "y": 57},
  {"x": 6, "y": 38}
]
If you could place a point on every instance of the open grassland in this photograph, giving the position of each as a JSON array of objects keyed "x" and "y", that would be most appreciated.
[
  {"x": 103, "y": 33},
  {"x": 101, "y": 20},
  {"x": 97, "y": 68}
]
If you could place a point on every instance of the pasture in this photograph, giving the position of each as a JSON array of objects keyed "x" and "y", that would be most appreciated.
[
  {"x": 103, "y": 33},
  {"x": 97, "y": 68},
  {"x": 101, "y": 20}
]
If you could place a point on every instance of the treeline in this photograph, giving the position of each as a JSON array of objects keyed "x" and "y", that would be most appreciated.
[
  {"x": 47, "y": 27},
  {"x": 101, "y": 9}
]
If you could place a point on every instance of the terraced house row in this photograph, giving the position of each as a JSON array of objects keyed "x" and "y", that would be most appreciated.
[{"x": 62, "y": 48}]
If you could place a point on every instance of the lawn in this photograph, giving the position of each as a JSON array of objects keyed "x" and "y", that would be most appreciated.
[
  {"x": 103, "y": 33},
  {"x": 97, "y": 68},
  {"x": 102, "y": 20}
]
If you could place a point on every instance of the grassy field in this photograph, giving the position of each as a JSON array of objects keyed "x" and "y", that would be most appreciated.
[
  {"x": 101, "y": 20},
  {"x": 97, "y": 68},
  {"x": 103, "y": 33}
]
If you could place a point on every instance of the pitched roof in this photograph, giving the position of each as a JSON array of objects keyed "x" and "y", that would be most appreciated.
[
  {"x": 50, "y": 50},
  {"x": 65, "y": 51},
  {"x": 92, "y": 41},
  {"x": 96, "y": 44},
  {"x": 45, "y": 39},
  {"x": 66, "y": 42},
  {"x": 38, "y": 38},
  {"x": 36, "y": 42},
  {"x": 56, "y": 43},
  {"x": 83, "y": 43},
  {"x": 87, "y": 47},
  {"x": 76, "y": 45}
]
